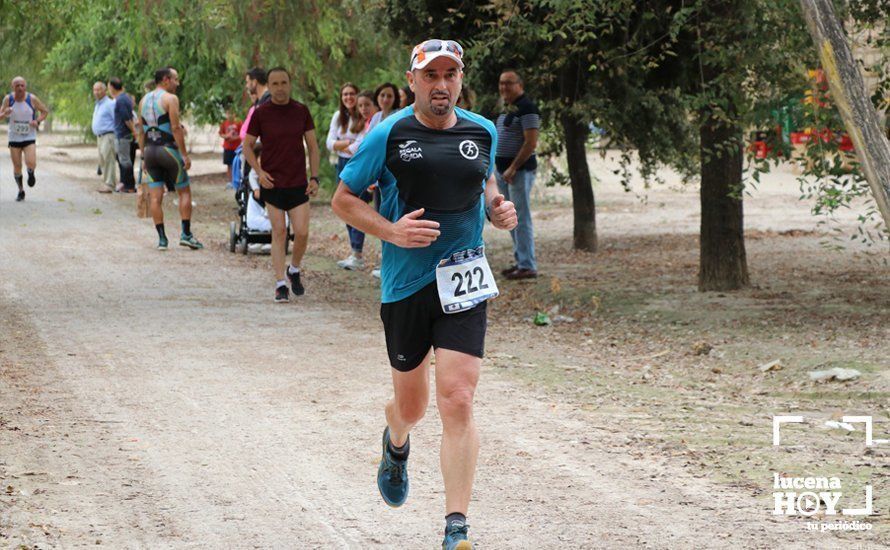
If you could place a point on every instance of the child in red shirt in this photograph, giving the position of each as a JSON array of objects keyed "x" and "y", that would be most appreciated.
[{"x": 229, "y": 130}]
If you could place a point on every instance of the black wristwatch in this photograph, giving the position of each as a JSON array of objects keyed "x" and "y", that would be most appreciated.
[{"x": 316, "y": 179}]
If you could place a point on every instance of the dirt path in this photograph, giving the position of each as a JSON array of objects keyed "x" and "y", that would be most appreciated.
[{"x": 153, "y": 400}]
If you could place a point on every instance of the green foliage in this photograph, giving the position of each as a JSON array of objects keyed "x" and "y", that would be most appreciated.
[
  {"x": 642, "y": 70},
  {"x": 27, "y": 31},
  {"x": 649, "y": 72},
  {"x": 210, "y": 42}
]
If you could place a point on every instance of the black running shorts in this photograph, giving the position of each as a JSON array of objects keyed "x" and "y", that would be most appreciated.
[
  {"x": 21, "y": 144},
  {"x": 416, "y": 323},
  {"x": 284, "y": 198}
]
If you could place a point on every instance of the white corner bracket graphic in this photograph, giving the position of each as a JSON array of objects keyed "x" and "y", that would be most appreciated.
[
  {"x": 867, "y": 511},
  {"x": 779, "y": 420},
  {"x": 868, "y": 431}
]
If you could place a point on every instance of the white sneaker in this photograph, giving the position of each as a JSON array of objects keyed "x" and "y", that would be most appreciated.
[
  {"x": 352, "y": 263},
  {"x": 375, "y": 273}
]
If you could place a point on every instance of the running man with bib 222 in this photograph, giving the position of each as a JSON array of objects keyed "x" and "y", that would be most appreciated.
[
  {"x": 164, "y": 155},
  {"x": 434, "y": 164}
]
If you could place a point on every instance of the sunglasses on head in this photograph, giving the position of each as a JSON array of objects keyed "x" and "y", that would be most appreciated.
[{"x": 430, "y": 46}]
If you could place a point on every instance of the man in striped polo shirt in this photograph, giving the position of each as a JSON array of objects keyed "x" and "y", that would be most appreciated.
[{"x": 517, "y": 130}]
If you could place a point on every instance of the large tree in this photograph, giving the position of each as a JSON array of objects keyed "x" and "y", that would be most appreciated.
[{"x": 677, "y": 81}]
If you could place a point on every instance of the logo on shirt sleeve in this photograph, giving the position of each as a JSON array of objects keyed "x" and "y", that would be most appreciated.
[
  {"x": 410, "y": 150},
  {"x": 469, "y": 150}
]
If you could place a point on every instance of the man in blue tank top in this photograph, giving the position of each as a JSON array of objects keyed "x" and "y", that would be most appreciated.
[{"x": 434, "y": 164}]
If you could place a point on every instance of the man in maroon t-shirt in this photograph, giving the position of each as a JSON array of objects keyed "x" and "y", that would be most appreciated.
[{"x": 284, "y": 125}]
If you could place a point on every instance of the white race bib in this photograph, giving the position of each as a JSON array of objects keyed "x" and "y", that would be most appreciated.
[
  {"x": 21, "y": 128},
  {"x": 464, "y": 280}
]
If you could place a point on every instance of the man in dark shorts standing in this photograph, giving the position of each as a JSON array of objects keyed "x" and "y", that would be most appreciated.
[
  {"x": 162, "y": 141},
  {"x": 21, "y": 108},
  {"x": 434, "y": 164},
  {"x": 284, "y": 125}
]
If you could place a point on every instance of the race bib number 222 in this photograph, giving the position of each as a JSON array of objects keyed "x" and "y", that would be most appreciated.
[{"x": 464, "y": 280}]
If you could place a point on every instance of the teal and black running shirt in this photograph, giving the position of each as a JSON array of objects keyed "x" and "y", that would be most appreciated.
[
  {"x": 156, "y": 121},
  {"x": 442, "y": 171}
]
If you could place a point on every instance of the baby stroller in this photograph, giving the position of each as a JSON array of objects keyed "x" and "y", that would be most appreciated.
[{"x": 253, "y": 226}]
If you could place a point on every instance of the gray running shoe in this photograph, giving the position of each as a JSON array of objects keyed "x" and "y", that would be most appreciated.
[{"x": 190, "y": 241}]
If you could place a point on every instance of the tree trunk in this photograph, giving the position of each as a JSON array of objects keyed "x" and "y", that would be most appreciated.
[
  {"x": 583, "y": 205},
  {"x": 723, "y": 265},
  {"x": 849, "y": 94}
]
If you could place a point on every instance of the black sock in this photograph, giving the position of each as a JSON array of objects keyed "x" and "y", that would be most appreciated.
[
  {"x": 30, "y": 172},
  {"x": 455, "y": 517},
  {"x": 186, "y": 227},
  {"x": 18, "y": 181},
  {"x": 161, "y": 233},
  {"x": 400, "y": 453}
]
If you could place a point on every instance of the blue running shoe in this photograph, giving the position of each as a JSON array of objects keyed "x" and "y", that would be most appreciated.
[
  {"x": 162, "y": 243},
  {"x": 456, "y": 537},
  {"x": 392, "y": 476}
]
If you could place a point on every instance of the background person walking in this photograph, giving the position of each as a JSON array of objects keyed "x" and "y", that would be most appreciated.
[
  {"x": 165, "y": 157},
  {"x": 285, "y": 126}
]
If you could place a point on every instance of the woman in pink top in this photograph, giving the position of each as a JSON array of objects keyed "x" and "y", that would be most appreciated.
[{"x": 243, "y": 131}]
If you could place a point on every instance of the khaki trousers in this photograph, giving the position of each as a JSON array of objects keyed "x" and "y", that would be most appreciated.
[{"x": 108, "y": 159}]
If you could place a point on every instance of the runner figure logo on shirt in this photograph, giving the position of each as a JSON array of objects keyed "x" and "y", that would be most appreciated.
[
  {"x": 409, "y": 151},
  {"x": 469, "y": 150}
]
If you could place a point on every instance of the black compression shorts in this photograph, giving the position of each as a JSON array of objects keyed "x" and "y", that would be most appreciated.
[{"x": 165, "y": 167}]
